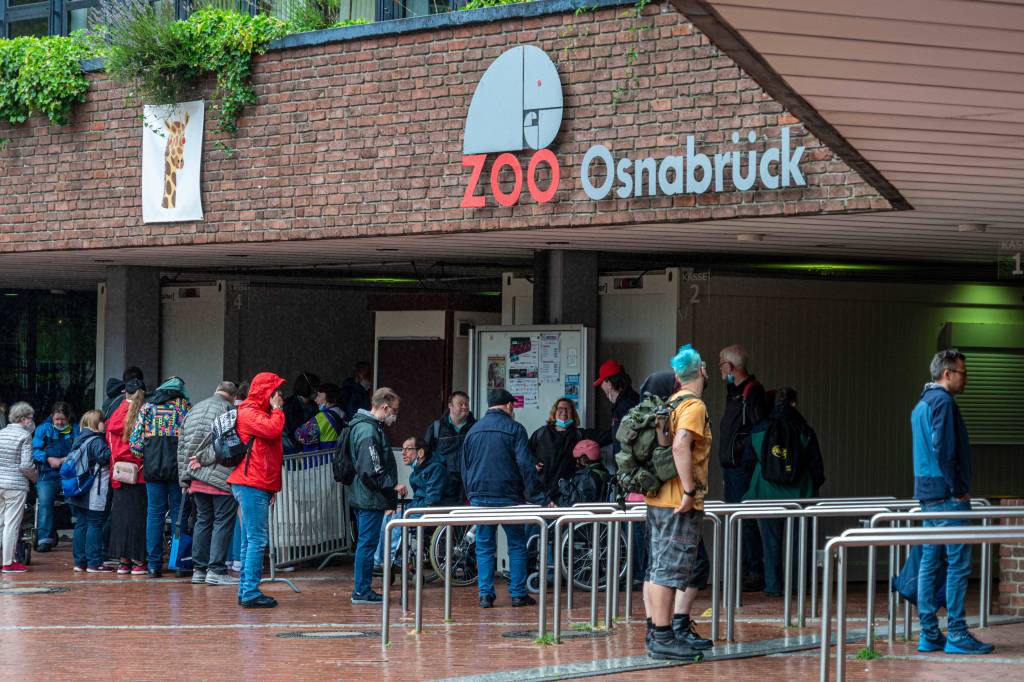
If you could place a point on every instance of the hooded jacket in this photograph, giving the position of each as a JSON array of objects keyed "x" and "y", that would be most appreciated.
[
  {"x": 429, "y": 481},
  {"x": 368, "y": 443},
  {"x": 115, "y": 396},
  {"x": 262, "y": 466},
  {"x": 157, "y": 429},
  {"x": 196, "y": 441},
  {"x": 49, "y": 441},
  {"x": 497, "y": 465},
  {"x": 97, "y": 454},
  {"x": 942, "y": 450}
]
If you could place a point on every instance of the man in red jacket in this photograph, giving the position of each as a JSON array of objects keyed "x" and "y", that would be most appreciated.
[{"x": 257, "y": 479}]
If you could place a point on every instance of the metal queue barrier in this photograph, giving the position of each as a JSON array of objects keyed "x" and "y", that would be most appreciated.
[
  {"x": 734, "y": 543},
  {"x": 449, "y": 520},
  {"x": 310, "y": 517},
  {"x": 835, "y": 550},
  {"x": 983, "y": 514}
]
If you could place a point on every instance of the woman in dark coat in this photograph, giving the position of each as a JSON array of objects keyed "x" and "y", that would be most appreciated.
[{"x": 552, "y": 446}]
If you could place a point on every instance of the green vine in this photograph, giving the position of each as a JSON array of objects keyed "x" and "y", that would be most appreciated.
[
  {"x": 162, "y": 59},
  {"x": 631, "y": 80},
  {"x": 42, "y": 76}
]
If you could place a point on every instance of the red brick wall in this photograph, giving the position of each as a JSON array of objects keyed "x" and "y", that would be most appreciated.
[
  {"x": 1011, "y": 571},
  {"x": 365, "y": 137}
]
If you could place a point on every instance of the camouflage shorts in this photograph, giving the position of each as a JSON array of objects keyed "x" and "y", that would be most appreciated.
[{"x": 673, "y": 541}]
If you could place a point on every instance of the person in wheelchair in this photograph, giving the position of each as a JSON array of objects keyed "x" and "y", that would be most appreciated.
[
  {"x": 429, "y": 482},
  {"x": 589, "y": 482}
]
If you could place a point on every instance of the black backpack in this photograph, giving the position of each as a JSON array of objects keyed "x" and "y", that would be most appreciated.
[
  {"x": 783, "y": 452},
  {"x": 228, "y": 448},
  {"x": 342, "y": 467}
]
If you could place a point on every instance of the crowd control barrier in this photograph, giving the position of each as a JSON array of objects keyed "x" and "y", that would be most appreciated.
[
  {"x": 835, "y": 551},
  {"x": 309, "y": 520},
  {"x": 983, "y": 514}
]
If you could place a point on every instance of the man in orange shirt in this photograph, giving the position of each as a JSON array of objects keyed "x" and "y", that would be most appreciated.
[{"x": 675, "y": 513}]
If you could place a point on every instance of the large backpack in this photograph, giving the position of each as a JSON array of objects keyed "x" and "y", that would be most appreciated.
[
  {"x": 783, "y": 454},
  {"x": 228, "y": 448},
  {"x": 342, "y": 467},
  {"x": 76, "y": 476},
  {"x": 643, "y": 465}
]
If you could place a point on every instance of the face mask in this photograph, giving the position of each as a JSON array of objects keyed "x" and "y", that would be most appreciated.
[
  {"x": 390, "y": 419},
  {"x": 31, "y": 427},
  {"x": 730, "y": 379},
  {"x": 563, "y": 423}
]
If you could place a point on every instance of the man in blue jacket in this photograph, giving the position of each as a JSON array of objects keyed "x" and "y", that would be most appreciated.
[
  {"x": 942, "y": 481},
  {"x": 498, "y": 471}
]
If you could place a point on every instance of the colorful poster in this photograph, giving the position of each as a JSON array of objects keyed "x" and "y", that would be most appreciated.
[
  {"x": 524, "y": 390},
  {"x": 572, "y": 387},
  {"x": 495, "y": 372},
  {"x": 172, "y": 150},
  {"x": 523, "y": 352},
  {"x": 550, "y": 358}
]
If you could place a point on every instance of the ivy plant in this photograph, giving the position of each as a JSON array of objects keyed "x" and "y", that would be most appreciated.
[
  {"x": 42, "y": 76},
  {"x": 162, "y": 59}
]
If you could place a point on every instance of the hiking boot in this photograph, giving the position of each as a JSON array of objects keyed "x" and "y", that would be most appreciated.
[
  {"x": 219, "y": 579},
  {"x": 931, "y": 640},
  {"x": 487, "y": 601},
  {"x": 525, "y": 600},
  {"x": 370, "y": 597},
  {"x": 958, "y": 643},
  {"x": 673, "y": 650},
  {"x": 198, "y": 577},
  {"x": 686, "y": 634}
]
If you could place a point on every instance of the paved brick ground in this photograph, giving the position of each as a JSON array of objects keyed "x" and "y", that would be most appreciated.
[{"x": 110, "y": 627}]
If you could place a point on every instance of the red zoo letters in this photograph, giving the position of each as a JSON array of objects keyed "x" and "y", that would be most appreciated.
[{"x": 476, "y": 162}]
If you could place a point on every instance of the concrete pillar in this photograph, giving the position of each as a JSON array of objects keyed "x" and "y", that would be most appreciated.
[
  {"x": 132, "y": 323},
  {"x": 565, "y": 288}
]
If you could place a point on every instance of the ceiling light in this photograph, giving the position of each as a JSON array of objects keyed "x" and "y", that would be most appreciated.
[
  {"x": 971, "y": 227},
  {"x": 750, "y": 237}
]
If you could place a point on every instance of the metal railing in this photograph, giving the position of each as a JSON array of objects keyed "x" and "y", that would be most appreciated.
[
  {"x": 733, "y": 544},
  {"x": 835, "y": 550},
  {"x": 461, "y": 520},
  {"x": 984, "y": 514}
]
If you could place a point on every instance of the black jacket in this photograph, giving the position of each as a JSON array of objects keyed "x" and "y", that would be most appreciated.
[
  {"x": 745, "y": 406},
  {"x": 553, "y": 449},
  {"x": 626, "y": 401},
  {"x": 444, "y": 442}
]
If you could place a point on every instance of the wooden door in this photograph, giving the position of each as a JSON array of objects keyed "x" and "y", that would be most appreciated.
[{"x": 415, "y": 370}]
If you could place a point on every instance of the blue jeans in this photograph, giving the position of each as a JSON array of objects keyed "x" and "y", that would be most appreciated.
[
  {"x": 235, "y": 551},
  {"x": 46, "y": 492},
  {"x": 255, "y": 506},
  {"x": 396, "y": 539},
  {"x": 773, "y": 539},
  {"x": 958, "y": 559},
  {"x": 87, "y": 545},
  {"x": 161, "y": 497},
  {"x": 486, "y": 546},
  {"x": 368, "y": 525},
  {"x": 737, "y": 483}
]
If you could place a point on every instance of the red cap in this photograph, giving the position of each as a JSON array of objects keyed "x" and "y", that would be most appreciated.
[
  {"x": 608, "y": 369},
  {"x": 587, "y": 448}
]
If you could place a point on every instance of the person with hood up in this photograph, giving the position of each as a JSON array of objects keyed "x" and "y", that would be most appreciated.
[
  {"x": 116, "y": 390},
  {"x": 51, "y": 444},
  {"x": 257, "y": 479},
  {"x": 92, "y": 506},
  {"x": 375, "y": 489},
  {"x": 154, "y": 439}
]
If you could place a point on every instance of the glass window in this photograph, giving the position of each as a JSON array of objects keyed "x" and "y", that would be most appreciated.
[
  {"x": 422, "y": 8},
  {"x": 358, "y": 9},
  {"x": 28, "y": 27},
  {"x": 18, "y": 3}
]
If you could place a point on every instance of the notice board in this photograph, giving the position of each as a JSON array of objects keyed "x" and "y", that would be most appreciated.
[{"x": 537, "y": 364}]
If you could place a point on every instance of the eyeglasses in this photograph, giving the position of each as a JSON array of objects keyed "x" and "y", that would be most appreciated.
[
  {"x": 959, "y": 371},
  {"x": 410, "y": 449}
]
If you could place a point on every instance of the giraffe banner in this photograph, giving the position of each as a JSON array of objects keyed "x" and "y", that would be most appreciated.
[{"x": 172, "y": 150}]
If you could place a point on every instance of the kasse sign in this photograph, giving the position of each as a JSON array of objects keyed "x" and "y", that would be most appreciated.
[{"x": 518, "y": 105}]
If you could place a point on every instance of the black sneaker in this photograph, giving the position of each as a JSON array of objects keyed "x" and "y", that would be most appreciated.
[
  {"x": 688, "y": 635},
  {"x": 370, "y": 597},
  {"x": 260, "y": 602},
  {"x": 155, "y": 573},
  {"x": 673, "y": 650},
  {"x": 525, "y": 600},
  {"x": 487, "y": 601}
]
